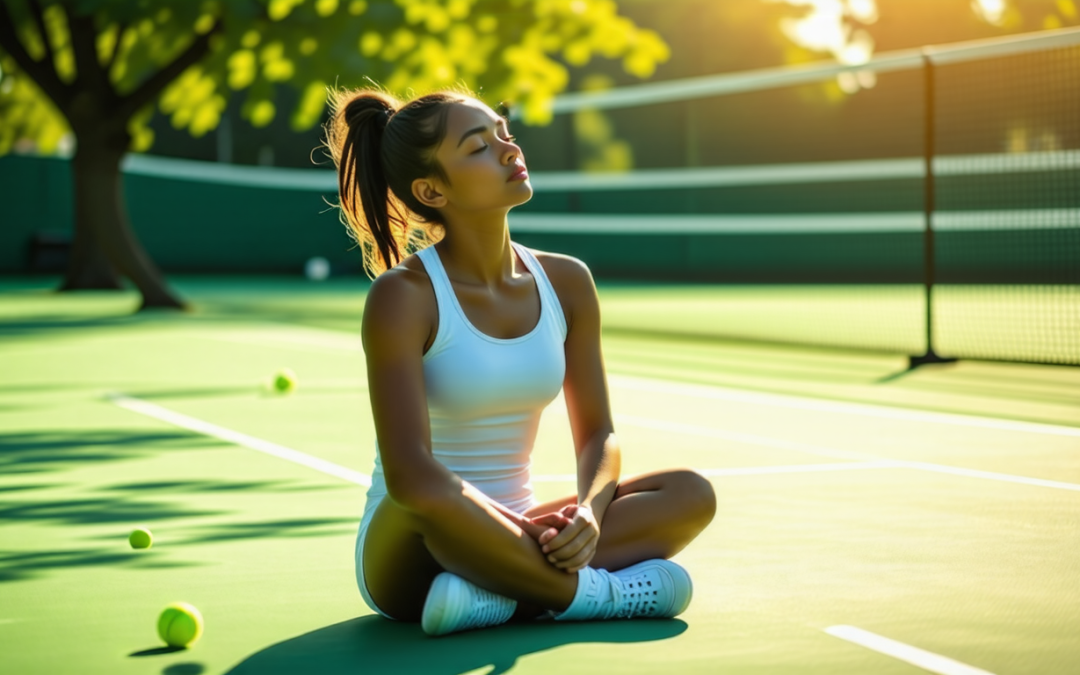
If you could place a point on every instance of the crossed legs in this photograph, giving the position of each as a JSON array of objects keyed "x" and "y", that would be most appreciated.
[{"x": 653, "y": 515}]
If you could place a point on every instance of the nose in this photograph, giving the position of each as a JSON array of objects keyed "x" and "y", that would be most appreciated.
[{"x": 511, "y": 152}]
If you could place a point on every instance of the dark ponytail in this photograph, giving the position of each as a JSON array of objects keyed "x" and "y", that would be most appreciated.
[{"x": 380, "y": 146}]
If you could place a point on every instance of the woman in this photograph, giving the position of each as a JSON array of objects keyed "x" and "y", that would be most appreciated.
[{"x": 466, "y": 342}]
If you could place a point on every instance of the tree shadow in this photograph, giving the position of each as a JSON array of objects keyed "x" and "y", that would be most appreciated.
[
  {"x": 34, "y": 564},
  {"x": 126, "y": 504},
  {"x": 97, "y": 510},
  {"x": 63, "y": 323},
  {"x": 35, "y": 452},
  {"x": 286, "y": 528},
  {"x": 375, "y": 646},
  {"x": 190, "y": 486},
  {"x": 200, "y": 392}
]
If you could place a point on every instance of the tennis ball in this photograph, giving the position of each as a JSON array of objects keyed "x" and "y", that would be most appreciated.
[
  {"x": 317, "y": 268},
  {"x": 180, "y": 625},
  {"x": 141, "y": 538},
  {"x": 285, "y": 381}
]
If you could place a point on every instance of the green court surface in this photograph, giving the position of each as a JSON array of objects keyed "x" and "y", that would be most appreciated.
[{"x": 933, "y": 513}]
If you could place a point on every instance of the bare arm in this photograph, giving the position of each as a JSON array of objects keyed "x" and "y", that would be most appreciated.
[
  {"x": 396, "y": 328},
  {"x": 397, "y": 325},
  {"x": 599, "y": 458}
]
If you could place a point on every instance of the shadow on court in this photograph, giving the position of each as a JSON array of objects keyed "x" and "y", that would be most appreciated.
[
  {"x": 46, "y": 451},
  {"x": 374, "y": 646}
]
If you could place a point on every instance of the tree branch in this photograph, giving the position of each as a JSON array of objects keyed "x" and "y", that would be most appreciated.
[
  {"x": 39, "y": 20},
  {"x": 111, "y": 61},
  {"x": 149, "y": 90},
  {"x": 42, "y": 74},
  {"x": 84, "y": 44}
]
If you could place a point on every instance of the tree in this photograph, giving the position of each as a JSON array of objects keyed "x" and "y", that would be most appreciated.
[{"x": 97, "y": 68}]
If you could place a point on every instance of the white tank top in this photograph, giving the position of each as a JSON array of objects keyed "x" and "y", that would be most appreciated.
[{"x": 485, "y": 394}]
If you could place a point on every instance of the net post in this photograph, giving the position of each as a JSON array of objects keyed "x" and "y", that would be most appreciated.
[{"x": 929, "y": 206}]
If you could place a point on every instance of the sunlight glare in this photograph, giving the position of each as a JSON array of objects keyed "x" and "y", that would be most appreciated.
[
  {"x": 830, "y": 26},
  {"x": 990, "y": 11}
]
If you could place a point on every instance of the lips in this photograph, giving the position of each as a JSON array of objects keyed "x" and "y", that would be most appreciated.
[{"x": 519, "y": 174}]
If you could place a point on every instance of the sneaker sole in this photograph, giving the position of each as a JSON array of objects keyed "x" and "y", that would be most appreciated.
[{"x": 435, "y": 620}]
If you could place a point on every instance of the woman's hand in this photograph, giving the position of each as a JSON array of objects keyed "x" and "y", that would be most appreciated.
[{"x": 572, "y": 546}]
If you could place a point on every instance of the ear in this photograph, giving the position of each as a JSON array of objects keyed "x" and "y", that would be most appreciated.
[{"x": 428, "y": 193}]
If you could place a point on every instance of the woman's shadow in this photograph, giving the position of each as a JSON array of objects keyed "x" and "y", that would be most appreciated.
[{"x": 375, "y": 646}]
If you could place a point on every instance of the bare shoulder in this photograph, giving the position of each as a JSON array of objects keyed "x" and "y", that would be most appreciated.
[
  {"x": 566, "y": 273},
  {"x": 573, "y": 283},
  {"x": 400, "y": 304}
]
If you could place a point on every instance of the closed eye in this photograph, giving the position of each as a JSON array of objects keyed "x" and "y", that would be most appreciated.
[{"x": 508, "y": 139}]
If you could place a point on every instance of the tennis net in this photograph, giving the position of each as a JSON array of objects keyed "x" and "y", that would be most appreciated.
[{"x": 936, "y": 211}]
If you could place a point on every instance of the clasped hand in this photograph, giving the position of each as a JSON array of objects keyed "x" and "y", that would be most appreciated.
[{"x": 569, "y": 542}]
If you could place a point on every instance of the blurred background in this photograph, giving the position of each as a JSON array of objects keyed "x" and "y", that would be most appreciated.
[{"x": 798, "y": 157}]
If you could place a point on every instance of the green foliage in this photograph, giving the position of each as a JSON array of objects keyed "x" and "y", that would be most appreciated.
[{"x": 509, "y": 50}]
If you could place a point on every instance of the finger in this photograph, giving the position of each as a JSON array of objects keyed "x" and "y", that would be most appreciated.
[
  {"x": 565, "y": 536},
  {"x": 555, "y": 520},
  {"x": 572, "y": 547},
  {"x": 583, "y": 557},
  {"x": 533, "y": 530},
  {"x": 548, "y": 535}
]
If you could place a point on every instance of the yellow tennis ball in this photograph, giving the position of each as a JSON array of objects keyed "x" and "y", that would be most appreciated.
[
  {"x": 180, "y": 624},
  {"x": 285, "y": 381},
  {"x": 141, "y": 538}
]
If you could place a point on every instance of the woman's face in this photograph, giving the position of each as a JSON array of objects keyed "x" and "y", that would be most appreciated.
[{"x": 484, "y": 165}]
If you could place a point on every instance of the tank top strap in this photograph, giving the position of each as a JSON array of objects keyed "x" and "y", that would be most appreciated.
[
  {"x": 549, "y": 299},
  {"x": 437, "y": 273},
  {"x": 444, "y": 298}
]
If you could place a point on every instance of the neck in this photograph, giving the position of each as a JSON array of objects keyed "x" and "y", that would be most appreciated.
[{"x": 478, "y": 251}]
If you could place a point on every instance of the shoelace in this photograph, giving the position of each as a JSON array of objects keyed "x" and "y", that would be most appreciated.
[{"x": 487, "y": 608}]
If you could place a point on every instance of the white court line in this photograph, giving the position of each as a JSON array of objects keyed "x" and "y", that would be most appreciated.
[
  {"x": 297, "y": 457},
  {"x": 739, "y": 437},
  {"x": 753, "y": 439},
  {"x": 749, "y": 470},
  {"x": 340, "y": 341},
  {"x": 935, "y": 663},
  {"x": 864, "y": 409},
  {"x": 796, "y": 468},
  {"x": 235, "y": 437},
  {"x": 989, "y": 475}
]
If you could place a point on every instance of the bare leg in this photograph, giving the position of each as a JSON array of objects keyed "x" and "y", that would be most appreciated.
[
  {"x": 652, "y": 516},
  {"x": 405, "y": 550}
]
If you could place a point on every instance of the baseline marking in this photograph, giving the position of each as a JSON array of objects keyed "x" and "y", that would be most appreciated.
[
  {"x": 935, "y": 663},
  {"x": 237, "y": 438},
  {"x": 864, "y": 409},
  {"x": 753, "y": 439}
]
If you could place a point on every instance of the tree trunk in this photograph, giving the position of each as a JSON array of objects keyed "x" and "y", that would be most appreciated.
[{"x": 104, "y": 242}]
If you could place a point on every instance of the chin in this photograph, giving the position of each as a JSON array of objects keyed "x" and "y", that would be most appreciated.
[{"x": 525, "y": 193}]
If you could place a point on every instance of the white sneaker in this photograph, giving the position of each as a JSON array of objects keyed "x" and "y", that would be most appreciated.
[
  {"x": 454, "y": 604},
  {"x": 655, "y": 589}
]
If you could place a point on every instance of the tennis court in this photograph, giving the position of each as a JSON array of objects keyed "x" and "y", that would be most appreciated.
[{"x": 868, "y": 521}]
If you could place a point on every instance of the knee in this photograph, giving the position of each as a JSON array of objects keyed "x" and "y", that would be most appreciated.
[{"x": 697, "y": 493}]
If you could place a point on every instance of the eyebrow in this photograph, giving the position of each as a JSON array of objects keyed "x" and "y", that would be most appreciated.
[{"x": 479, "y": 130}]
